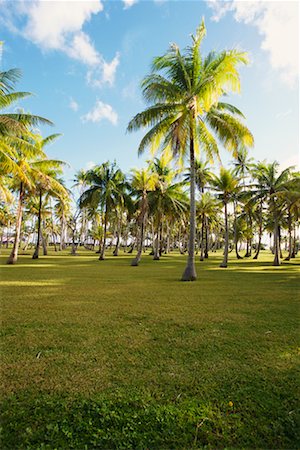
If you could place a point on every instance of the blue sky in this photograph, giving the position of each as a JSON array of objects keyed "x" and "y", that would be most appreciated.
[{"x": 84, "y": 61}]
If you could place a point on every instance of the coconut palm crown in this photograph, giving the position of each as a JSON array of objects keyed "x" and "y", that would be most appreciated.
[{"x": 186, "y": 114}]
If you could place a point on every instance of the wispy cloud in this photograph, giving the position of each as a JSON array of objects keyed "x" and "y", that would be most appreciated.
[
  {"x": 73, "y": 105},
  {"x": 283, "y": 114},
  {"x": 129, "y": 3},
  {"x": 105, "y": 74},
  {"x": 100, "y": 112},
  {"x": 277, "y": 22},
  {"x": 58, "y": 25}
]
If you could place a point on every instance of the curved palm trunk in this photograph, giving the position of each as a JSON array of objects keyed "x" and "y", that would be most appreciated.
[
  {"x": 189, "y": 273},
  {"x": 13, "y": 257},
  {"x": 116, "y": 250},
  {"x": 36, "y": 251},
  {"x": 225, "y": 259},
  {"x": 156, "y": 243},
  {"x": 102, "y": 254},
  {"x": 136, "y": 260}
]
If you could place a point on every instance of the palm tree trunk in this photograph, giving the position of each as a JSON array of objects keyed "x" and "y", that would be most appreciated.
[
  {"x": 102, "y": 254},
  {"x": 189, "y": 273},
  {"x": 293, "y": 255},
  {"x": 44, "y": 242},
  {"x": 290, "y": 236},
  {"x": 225, "y": 259},
  {"x": 259, "y": 231},
  {"x": 13, "y": 257},
  {"x": 276, "y": 261},
  {"x": 236, "y": 241},
  {"x": 36, "y": 251},
  {"x": 157, "y": 242},
  {"x": 206, "y": 239},
  {"x": 136, "y": 260},
  {"x": 202, "y": 240}
]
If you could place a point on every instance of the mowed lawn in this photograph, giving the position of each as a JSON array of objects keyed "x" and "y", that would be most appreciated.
[{"x": 98, "y": 354}]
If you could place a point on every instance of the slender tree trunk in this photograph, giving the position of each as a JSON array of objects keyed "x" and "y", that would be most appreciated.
[
  {"x": 259, "y": 231},
  {"x": 290, "y": 237},
  {"x": 276, "y": 261},
  {"x": 206, "y": 239},
  {"x": 157, "y": 242},
  {"x": 44, "y": 243},
  {"x": 116, "y": 250},
  {"x": 202, "y": 240},
  {"x": 136, "y": 260},
  {"x": 189, "y": 273},
  {"x": 293, "y": 255},
  {"x": 236, "y": 241},
  {"x": 225, "y": 259},
  {"x": 102, "y": 254},
  {"x": 13, "y": 257},
  {"x": 36, "y": 251}
]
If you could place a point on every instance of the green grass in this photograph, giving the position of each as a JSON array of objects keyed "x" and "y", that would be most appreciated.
[{"x": 98, "y": 354}]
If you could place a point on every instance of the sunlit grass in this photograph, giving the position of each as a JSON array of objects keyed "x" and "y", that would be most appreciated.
[{"x": 77, "y": 329}]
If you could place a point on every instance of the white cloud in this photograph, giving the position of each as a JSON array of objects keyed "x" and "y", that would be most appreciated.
[
  {"x": 283, "y": 114},
  {"x": 99, "y": 112},
  {"x": 103, "y": 74},
  {"x": 129, "y": 3},
  {"x": 73, "y": 105},
  {"x": 90, "y": 165},
  {"x": 58, "y": 25},
  {"x": 277, "y": 22},
  {"x": 83, "y": 50}
]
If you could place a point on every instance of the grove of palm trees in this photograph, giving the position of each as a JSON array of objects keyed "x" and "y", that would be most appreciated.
[{"x": 153, "y": 307}]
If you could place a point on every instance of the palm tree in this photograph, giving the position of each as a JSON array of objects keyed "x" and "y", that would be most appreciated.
[
  {"x": 207, "y": 207},
  {"x": 142, "y": 182},
  {"x": 184, "y": 90},
  {"x": 271, "y": 186},
  {"x": 106, "y": 188},
  {"x": 227, "y": 184},
  {"x": 45, "y": 178}
]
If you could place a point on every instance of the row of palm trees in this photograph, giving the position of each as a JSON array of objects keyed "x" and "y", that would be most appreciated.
[
  {"x": 186, "y": 121},
  {"x": 150, "y": 208},
  {"x": 25, "y": 168}
]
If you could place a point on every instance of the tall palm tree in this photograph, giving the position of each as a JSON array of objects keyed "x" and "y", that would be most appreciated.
[
  {"x": 228, "y": 185},
  {"x": 142, "y": 182},
  {"x": 207, "y": 207},
  {"x": 271, "y": 186},
  {"x": 184, "y": 91},
  {"x": 166, "y": 198},
  {"x": 106, "y": 189}
]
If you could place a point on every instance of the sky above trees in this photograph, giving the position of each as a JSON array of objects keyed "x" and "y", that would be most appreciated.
[{"x": 84, "y": 60}]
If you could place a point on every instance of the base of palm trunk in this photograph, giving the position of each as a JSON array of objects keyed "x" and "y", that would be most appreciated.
[
  {"x": 156, "y": 258},
  {"x": 35, "y": 256},
  {"x": 11, "y": 260},
  {"x": 101, "y": 258},
  {"x": 223, "y": 265},
  {"x": 189, "y": 274},
  {"x": 135, "y": 262}
]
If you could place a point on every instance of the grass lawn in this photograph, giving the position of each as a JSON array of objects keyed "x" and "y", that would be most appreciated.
[{"x": 98, "y": 354}]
